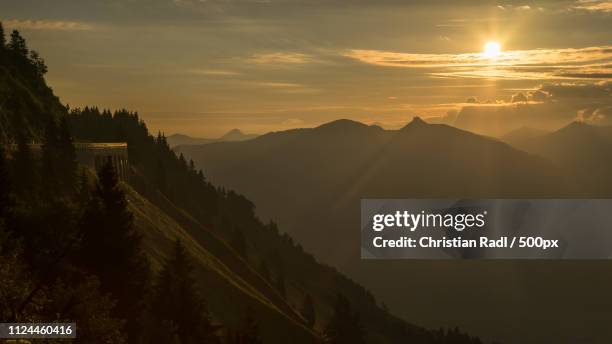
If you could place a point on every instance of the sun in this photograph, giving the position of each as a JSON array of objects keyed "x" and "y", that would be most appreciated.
[{"x": 492, "y": 49}]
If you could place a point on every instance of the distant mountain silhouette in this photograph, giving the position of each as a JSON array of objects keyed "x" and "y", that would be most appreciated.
[
  {"x": 236, "y": 135},
  {"x": 232, "y": 135},
  {"x": 583, "y": 150},
  {"x": 311, "y": 180},
  {"x": 303, "y": 172},
  {"x": 517, "y": 136},
  {"x": 181, "y": 139}
]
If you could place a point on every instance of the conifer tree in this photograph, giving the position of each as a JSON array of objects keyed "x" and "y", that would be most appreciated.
[
  {"x": 59, "y": 164},
  {"x": 111, "y": 249},
  {"x": 280, "y": 283},
  {"x": 4, "y": 186},
  {"x": 160, "y": 177},
  {"x": 5, "y": 206},
  {"x": 248, "y": 332},
  {"x": 67, "y": 160},
  {"x": 24, "y": 175},
  {"x": 177, "y": 302},
  {"x": 84, "y": 195},
  {"x": 307, "y": 310},
  {"x": 2, "y": 37},
  {"x": 344, "y": 327},
  {"x": 38, "y": 63},
  {"x": 264, "y": 271},
  {"x": 50, "y": 161},
  {"x": 239, "y": 243},
  {"x": 18, "y": 44}
]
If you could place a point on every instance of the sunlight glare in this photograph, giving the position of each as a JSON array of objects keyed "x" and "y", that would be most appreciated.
[{"x": 492, "y": 49}]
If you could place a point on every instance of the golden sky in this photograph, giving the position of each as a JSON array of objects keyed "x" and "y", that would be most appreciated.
[{"x": 204, "y": 67}]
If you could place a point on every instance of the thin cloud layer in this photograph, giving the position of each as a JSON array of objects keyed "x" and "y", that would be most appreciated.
[
  {"x": 281, "y": 58},
  {"x": 47, "y": 24},
  {"x": 582, "y": 63},
  {"x": 594, "y": 5}
]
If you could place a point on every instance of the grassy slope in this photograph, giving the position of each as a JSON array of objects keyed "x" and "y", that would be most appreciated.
[{"x": 227, "y": 293}]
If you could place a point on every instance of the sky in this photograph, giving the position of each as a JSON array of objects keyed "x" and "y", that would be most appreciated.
[{"x": 203, "y": 67}]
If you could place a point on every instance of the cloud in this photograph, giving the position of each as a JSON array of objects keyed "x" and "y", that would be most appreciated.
[
  {"x": 598, "y": 116},
  {"x": 46, "y": 24},
  {"x": 548, "y": 107},
  {"x": 292, "y": 122},
  {"x": 214, "y": 72},
  {"x": 536, "y": 64},
  {"x": 281, "y": 58},
  {"x": 286, "y": 87},
  {"x": 579, "y": 91},
  {"x": 519, "y": 97},
  {"x": 593, "y": 5}
]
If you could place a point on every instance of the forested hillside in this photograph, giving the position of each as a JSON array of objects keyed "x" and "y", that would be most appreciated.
[
  {"x": 26, "y": 102},
  {"x": 167, "y": 257}
]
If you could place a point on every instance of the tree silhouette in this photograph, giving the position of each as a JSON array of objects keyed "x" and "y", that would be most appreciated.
[
  {"x": 67, "y": 164},
  {"x": 111, "y": 248},
  {"x": 38, "y": 63},
  {"x": 264, "y": 271},
  {"x": 160, "y": 177},
  {"x": 280, "y": 283},
  {"x": 238, "y": 242},
  {"x": 248, "y": 332},
  {"x": 24, "y": 172},
  {"x": 4, "y": 186},
  {"x": 2, "y": 37},
  {"x": 59, "y": 164},
  {"x": 344, "y": 327},
  {"x": 84, "y": 195},
  {"x": 307, "y": 310},
  {"x": 18, "y": 44},
  {"x": 177, "y": 302}
]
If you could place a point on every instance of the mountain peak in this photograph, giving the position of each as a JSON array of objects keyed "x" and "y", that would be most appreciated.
[
  {"x": 417, "y": 122},
  {"x": 574, "y": 127},
  {"x": 341, "y": 124},
  {"x": 235, "y": 135},
  {"x": 235, "y": 131}
]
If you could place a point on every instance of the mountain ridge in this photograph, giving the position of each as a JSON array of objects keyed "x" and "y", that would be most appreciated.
[{"x": 232, "y": 135}]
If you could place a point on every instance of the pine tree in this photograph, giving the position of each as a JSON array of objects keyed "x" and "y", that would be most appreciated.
[
  {"x": 280, "y": 283},
  {"x": 67, "y": 160},
  {"x": 84, "y": 195},
  {"x": 160, "y": 177},
  {"x": 264, "y": 271},
  {"x": 248, "y": 332},
  {"x": 307, "y": 310},
  {"x": 4, "y": 186},
  {"x": 177, "y": 302},
  {"x": 59, "y": 164},
  {"x": 49, "y": 161},
  {"x": 2, "y": 37},
  {"x": 38, "y": 63},
  {"x": 238, "y": 242},
  {"x": 111, "y": 249},
  {"x": 18, "y": 44},
  {"x": 344, "y": 327},
  {"x": 24, "y": 171},
  {"x": 276, "y": 262}
]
